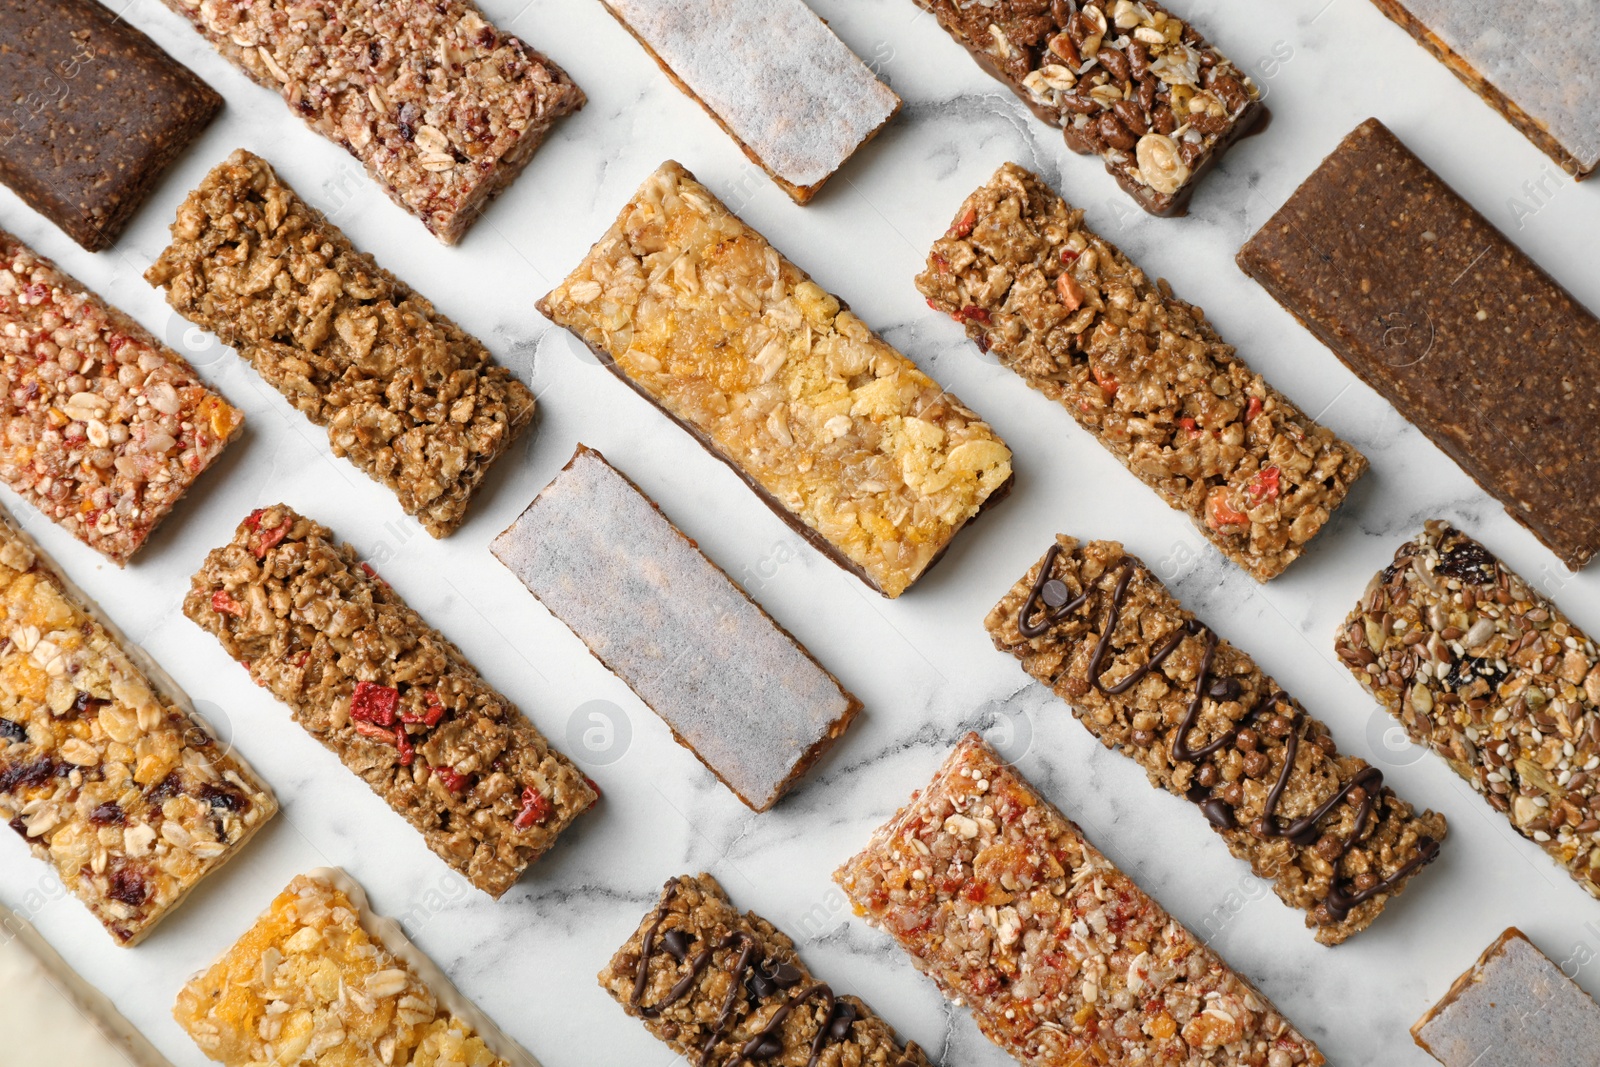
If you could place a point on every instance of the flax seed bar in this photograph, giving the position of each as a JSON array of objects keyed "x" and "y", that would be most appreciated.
[
  {"x": 104, "y": 774},
  {"x": 841, "y": 435},
  {"x": 721, "y": 987},
  {"x": 442, "y": 108},
  {"x": 1438, "y": 311},
  {"x": 409, "y": 397},
  {"x": 1209, "y": 725},
  {"x": 736, "y": 688},
  {"x": 1062, "y": 958},
  {"x": 391, "y": 697}
]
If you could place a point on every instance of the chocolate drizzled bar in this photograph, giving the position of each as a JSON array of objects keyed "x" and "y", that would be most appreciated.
[
  {"x": 726, "y": 988},
  {"x": 1062, "y": 958},
  {"x": 1141, "y": 370},
  {"x": 1148, "y": 678}
]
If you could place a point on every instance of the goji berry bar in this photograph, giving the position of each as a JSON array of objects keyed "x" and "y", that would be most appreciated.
[
  {"x": 405, "y": 394},
  {"x": 724, "y": 987},
  {"x": 1062, "y": 958},
  {"x": 841, "y": 435},
  {"x": 1438, "y": 311},
  {"x": 442, "y": 108},
  {"x": 104, "y": 774},
  {"x": 736, "y": 688},
  {"x": 1141, "y": 370},
  {"x": 388, "y": 694},
  {"x": 1150, "y": 680}
]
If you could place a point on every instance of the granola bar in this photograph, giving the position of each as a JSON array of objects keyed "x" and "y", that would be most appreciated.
[
  {"x": 1141, "y": 370},
  {"x": 1209, "y": 725},
  {"x": 841, "y": 435},
  {"x": 721, "y": 987},
  {"x": 105, "y": 772},
  {"x": 736, "y": 688},
  {"x": 409, "y": 397},
  {"x": 442, "y": 108},
  {"x": 1062, "y": 958}
]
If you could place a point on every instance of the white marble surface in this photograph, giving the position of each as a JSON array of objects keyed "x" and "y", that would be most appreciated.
[{"x": 922, "y": 664}]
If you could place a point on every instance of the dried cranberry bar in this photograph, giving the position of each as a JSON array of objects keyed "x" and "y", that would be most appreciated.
[
  {"x": 1063, "y": 960},
  {"x": 1149, "y": 679},
  {"x": 842, "y": 436},
  {"x": 721, "y": 987},
  {"x": 388, "y": 694},
  {"x": 405, "y": 394},
  {"x": 1141, "y": 370}
]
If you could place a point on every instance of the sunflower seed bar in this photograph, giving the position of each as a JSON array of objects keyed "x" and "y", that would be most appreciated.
[
  {"x": 1141, "y": 370},
  {"x": 1062, "y": 958},
  {"x": 388, "y": 694},
  {"x": 1149, "y": 679},
  {"x": 841, "y": 435},
  {"x": 410, "y": 398}
]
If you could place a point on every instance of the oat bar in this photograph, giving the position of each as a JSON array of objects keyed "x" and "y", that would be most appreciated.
[
  {"x": 388, "y": 694},
  {"x": 409, "y": 397},
  {"x": 735, "y": 688},
  {"x": 1149, "y": 679},
  {"x": 1062, "y": 958},
  {"x": 841, "y": 435},
  {"x": 1141, "y": 370}
]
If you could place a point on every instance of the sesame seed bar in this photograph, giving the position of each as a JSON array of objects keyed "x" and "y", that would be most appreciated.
[
  {"x": 1061, "y": 957},
  {"x": 406, "y": 395},
  {"x": 1150, "y": 680},
  {"x": 388, "y": 694},
  {"x": 1141, "y": 370},
  {"x": 843, "y": 437}
]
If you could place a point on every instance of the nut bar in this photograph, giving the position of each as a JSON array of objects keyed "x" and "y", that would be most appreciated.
[
  {"x": 105, "y": 771},
  {"x": 442, "y": 108},
  {"x": 1062, "y": 958},
  {"x": 1209, "y": 725},
  {"x": 735, "y": 688},
  {"x": 1439, "y": 312},
  {"x": 105, "y": 426},
  {"x": 406, "y": 395},
  {"x": 388, "y": 694},
  {"x": 841, "y": 435},
  {"x": 1141, "y": 370},
  {"x": 94, "y": 114},
  {"x": 721, "y": 987}
]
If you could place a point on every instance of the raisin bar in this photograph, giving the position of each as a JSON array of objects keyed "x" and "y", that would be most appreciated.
[
  {"x": 1438, "y": 311},
  {"x": 111, "y": 780},
  {"x": 405, "y": 394},
  {"x": 1062, "y": 958},
  {"x": 841, "y": 435},
  {"x": 388, "y": 694},
  {"x": 1149, "y": 679},
  {"x": 736, "y": 688},
  {"x": 442, "y": 108},
  {"x": 105, "y": 426},
  {"x": 721, "y": 987},
  {"x": 1141, "y": 370}
]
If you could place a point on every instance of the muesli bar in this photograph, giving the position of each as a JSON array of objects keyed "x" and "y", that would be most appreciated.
[
  {"x": 724, "y": 987},
  {"x": 1150, "y": 680},
  {"x": 388, "y": 694},
  {"x": 843, "y": 437},
  {"x": 1061, "y": 957},
  {"x": 1141, "y": 370},
  {"x": 406, "y": 395}
]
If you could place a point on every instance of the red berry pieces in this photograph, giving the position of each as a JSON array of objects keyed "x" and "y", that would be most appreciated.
[
  {"x": 223, "y": 603},
  {"x": 1264, "y": 486},
  {"x": 964, "y": 224},
  {"x": 452, "y": 781},
  {"x": 374, "y": 703},
  {"x": 535, "y": 809}
]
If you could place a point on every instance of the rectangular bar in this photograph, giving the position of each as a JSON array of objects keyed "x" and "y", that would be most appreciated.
[
  {"x": 1061, "y": 957},
  {"x": 389, "y": 695},
  {"x": 1141, "y": 370},
  {"x": 409, "y": 397},
  {"x": 843, "y": 437},
  {"x": 1450, "y": 322},
  {"x": 735, "y": 688}
]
